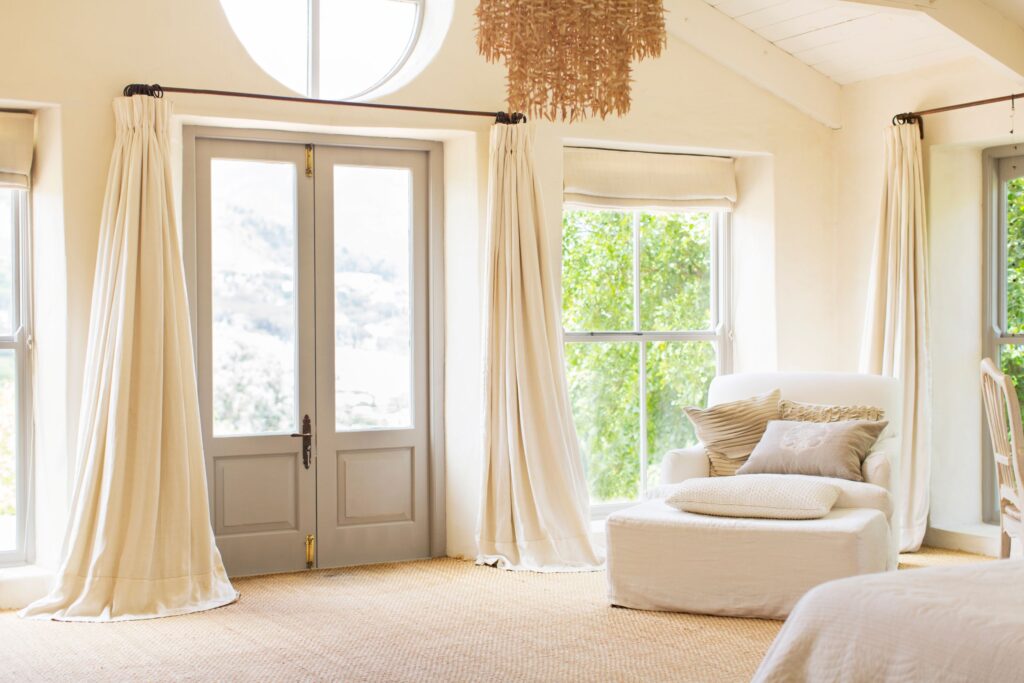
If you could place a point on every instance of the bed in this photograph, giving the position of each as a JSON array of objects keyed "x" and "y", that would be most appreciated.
[{"x": 963, "y": 623}]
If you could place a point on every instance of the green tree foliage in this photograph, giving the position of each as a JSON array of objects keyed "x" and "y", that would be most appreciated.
[
  {"x": 604, "y": 377},
  {"x": 1012, "y": 357}
]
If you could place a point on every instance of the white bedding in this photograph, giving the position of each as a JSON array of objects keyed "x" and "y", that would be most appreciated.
[{"x": 961, "y": 623}]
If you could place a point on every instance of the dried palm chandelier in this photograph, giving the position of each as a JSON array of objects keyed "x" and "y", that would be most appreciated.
[{"x": 569, "y": 59}]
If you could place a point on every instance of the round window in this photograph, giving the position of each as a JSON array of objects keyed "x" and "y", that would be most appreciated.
[{"x": 330, "y": 49}]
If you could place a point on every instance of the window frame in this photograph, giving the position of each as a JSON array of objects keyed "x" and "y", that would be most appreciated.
[
  {"x": 995, "y": 293},
  {"x": 719, "y": 332},
  {"x": 20, "y": 341}
]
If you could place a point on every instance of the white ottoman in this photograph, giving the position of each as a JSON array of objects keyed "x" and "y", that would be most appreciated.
[{"x": 662, "y": 559}]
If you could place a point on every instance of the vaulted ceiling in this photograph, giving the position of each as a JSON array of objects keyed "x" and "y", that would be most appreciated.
[
  {"x": 845, "y": 41},
  {"x": 804, "y": 51}
]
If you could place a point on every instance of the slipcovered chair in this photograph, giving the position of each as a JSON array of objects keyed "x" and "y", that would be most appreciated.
[
  {"x": 1004, "y": 428},
  {"x": 660, "y": 558}
]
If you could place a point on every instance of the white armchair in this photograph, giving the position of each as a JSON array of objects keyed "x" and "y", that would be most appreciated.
[
  {"x": 660, "y": 558},
  {"x": 881, "y": 467}
]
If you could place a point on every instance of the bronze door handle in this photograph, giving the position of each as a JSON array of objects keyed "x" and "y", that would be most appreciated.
[{"x": 307, "y": 441}]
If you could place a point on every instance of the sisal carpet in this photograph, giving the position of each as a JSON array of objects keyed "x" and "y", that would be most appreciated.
[{"x": 434, "y": 620}]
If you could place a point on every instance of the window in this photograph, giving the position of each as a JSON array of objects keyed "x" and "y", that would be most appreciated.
[
  {"x": 645, "y": 332},
  {"x": 1004, "y": 324},
  {"x": 332, "y": 49},
  {"x": 1009, "y": 320},
  {"x": 13, "y": 384}
]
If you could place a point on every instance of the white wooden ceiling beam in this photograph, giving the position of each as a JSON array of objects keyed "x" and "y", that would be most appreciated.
[
  {"x": 997, "y": 37},
  {"x": 728, "y": 42}
]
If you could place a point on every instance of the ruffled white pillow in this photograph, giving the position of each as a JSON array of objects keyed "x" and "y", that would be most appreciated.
[{"x": 770, "y": 496}]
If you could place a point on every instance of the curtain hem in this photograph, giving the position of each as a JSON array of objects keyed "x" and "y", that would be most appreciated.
[
  {"x": 196, "y": 592},
  {"x": 500, "y": 553}
]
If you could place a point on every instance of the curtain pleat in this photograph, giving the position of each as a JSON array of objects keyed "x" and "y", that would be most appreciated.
[
  {"x": 896, "y": 327},
  {"x": 535, "y": 506},
  {"x": 139, "y": 542}
]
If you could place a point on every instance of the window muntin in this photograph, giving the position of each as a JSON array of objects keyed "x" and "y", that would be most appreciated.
[
  {"x": 14, "y": 387},
  {"x": 644, "y": 335},
  {"x": 331, "y": 49}
]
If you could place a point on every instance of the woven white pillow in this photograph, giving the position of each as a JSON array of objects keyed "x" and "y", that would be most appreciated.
[{"x": 770, "y": 496}]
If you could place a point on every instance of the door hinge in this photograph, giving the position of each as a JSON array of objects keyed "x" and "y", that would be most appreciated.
[
  {"x": 310, "y": 550},
  {"x": 309, "y": 161}
]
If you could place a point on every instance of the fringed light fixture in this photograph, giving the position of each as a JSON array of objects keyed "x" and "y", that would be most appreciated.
[{"x": 569, "y": 59}]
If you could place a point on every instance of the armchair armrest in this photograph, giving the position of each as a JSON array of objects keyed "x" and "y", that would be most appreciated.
[
  {"x": 878, "y": 466},
  {"x": 685, "y": 463}
]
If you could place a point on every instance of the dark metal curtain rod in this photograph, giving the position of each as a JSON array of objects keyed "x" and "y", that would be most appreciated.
[
  {"x": 918, "y": 116},
  {"x": 157, "y": 90}
]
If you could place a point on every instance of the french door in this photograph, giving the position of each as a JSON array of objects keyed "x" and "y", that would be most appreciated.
[{"x": 311, "y": 297}]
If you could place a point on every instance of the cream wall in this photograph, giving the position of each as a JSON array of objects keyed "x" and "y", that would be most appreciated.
[
  {"x": 72, "y": 58},
  {"x": 953, "y": 163}
]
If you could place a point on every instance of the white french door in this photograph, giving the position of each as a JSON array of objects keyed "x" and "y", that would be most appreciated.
[
  {"x": 311, "y": 297},
  {"x": 371, "y": 309}
]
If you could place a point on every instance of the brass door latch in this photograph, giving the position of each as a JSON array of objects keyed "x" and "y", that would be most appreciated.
[{"x": 310, "y": 550}]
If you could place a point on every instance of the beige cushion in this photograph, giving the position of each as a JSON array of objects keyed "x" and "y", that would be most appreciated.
[
  {"x": 814, "y": 412},
  {"x": 826, "y": 449},
  {"x": 729, "y": 431},
  {"x": 770, "y": 496},
  {"x": 855, "y": 494}
]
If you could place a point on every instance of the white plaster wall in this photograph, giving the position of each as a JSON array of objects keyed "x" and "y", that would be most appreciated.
[
  {"x": 76, "y": 56},
  {"x": 953, "y": 145}
]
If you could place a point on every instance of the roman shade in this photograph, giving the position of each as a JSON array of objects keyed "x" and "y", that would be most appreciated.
[
  {"x": 611, "y": 179},
  {"x": 17, "y": 135}
]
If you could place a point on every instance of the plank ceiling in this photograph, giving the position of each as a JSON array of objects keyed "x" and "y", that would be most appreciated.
[
  {"x": 1011, "y": 9},
  {"x": 849, "y": 42}
]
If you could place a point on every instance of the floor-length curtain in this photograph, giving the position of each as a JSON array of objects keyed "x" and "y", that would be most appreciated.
[
  {"x": 535, "y": 507},
  {"x": 139, "y": 542},
  {"x": 896, "y": 327}
]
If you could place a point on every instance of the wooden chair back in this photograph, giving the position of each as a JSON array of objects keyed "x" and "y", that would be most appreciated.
[{"x": 1007, "y": 433}]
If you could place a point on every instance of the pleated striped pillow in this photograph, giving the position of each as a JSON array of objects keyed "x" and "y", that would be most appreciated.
[{"x": 730, "y": 431}]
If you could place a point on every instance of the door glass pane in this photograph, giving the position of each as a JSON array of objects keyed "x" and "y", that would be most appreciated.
[
  {"x": 678, "y": 375},
  {"x": 8, "y": 452},
  {"x": 675, "y": 271},
  {"x": 372, "y": 302},
  {"x": 597, "y": 271},
  {"x": 8, "y": 204},
  {"x": 1015, "y": 256},
  {"x": 253, "y": 284},
  {"x": 605, "y": 394}
]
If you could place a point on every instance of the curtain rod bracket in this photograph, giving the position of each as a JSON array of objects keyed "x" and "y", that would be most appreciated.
[
  {"x": 909, "y": 117},
  {"x": 133, "y": 89},
  {"x": 510, "y": 117}
]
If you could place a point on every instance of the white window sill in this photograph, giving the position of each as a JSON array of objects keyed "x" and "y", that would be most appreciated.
[{"x": 22, "y": 584}]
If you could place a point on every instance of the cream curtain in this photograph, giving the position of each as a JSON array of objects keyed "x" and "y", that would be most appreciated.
[
  {"x": 896, "y": 327},
  {"x": 613, "y": 179},
  {"x": 535, "y": 507},
  {"x": 139, "y": 542}
]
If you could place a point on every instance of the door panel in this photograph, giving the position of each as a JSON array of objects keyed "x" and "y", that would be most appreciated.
[
  {"x": 254, "y": 245},
  {"x": 372, "y": 405}
]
